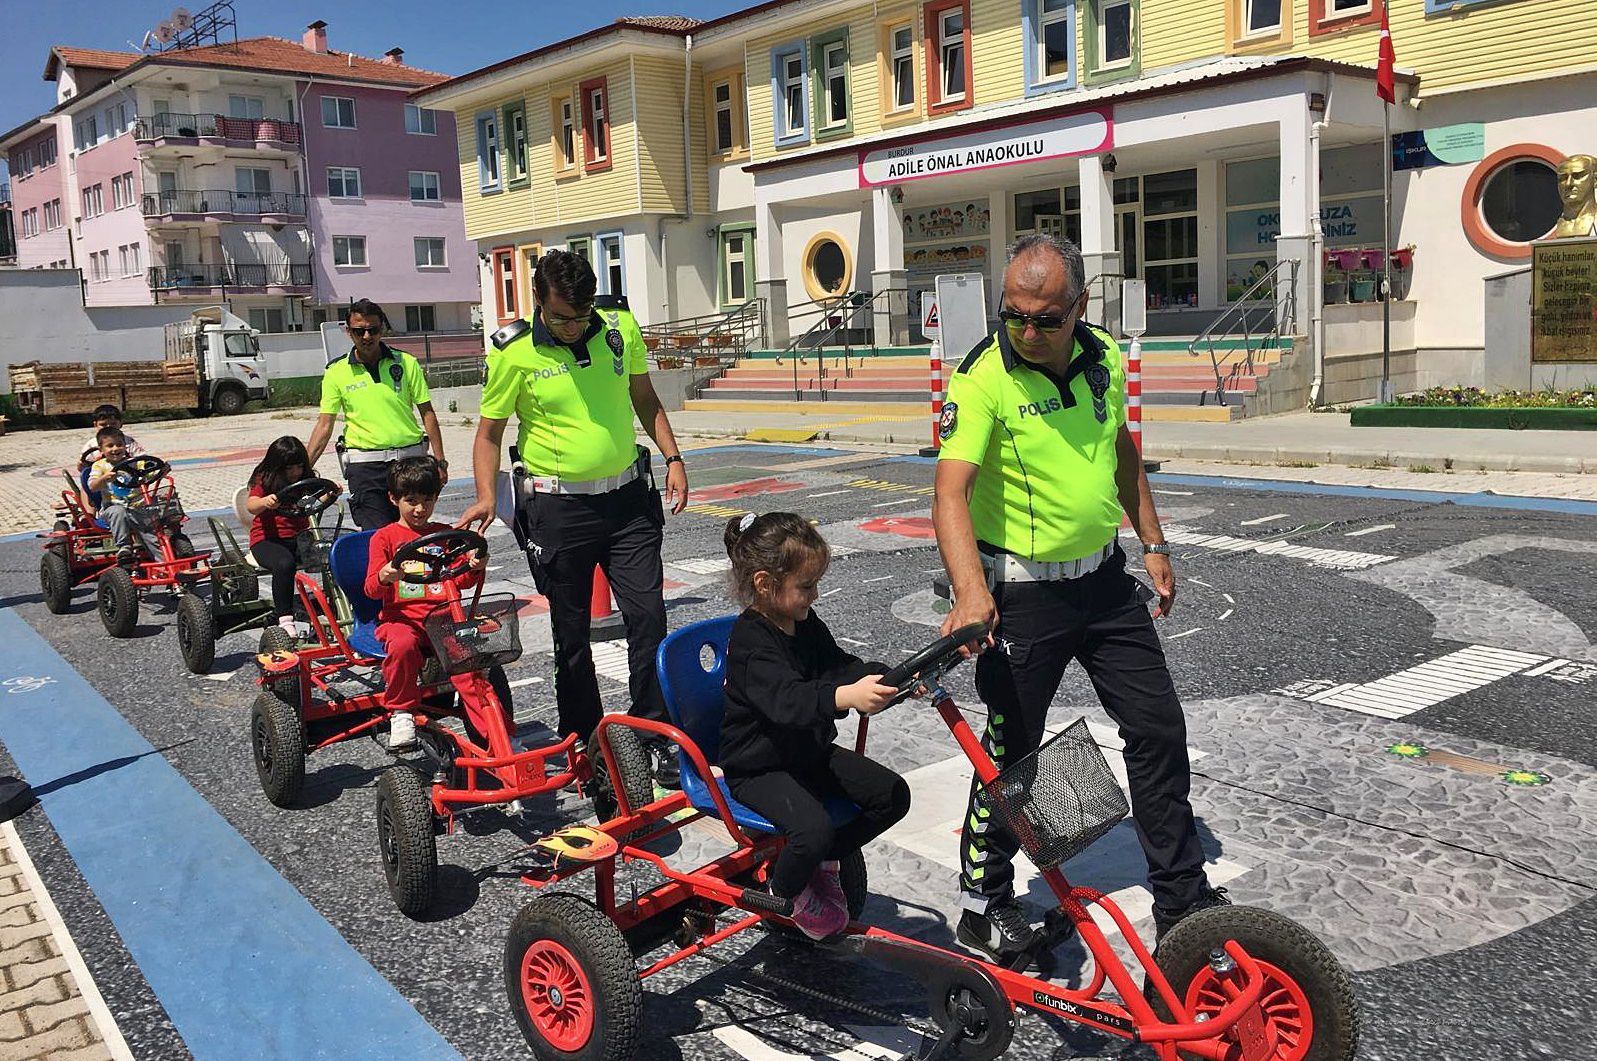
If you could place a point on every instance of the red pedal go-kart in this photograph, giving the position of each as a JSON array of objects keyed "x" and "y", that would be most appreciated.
[
  {"x": 76, "y": 550},
  {"x": 1229, "y": 983},
  {"x": 302, "y": 709}
]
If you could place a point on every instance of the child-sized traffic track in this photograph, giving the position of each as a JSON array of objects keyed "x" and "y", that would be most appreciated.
[{"x": 1388, "y": 699}]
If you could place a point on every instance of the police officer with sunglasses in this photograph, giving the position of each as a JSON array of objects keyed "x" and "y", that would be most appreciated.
[
  {"x": 1035, "y": 471},
  {"x": 379, "y": 389}
]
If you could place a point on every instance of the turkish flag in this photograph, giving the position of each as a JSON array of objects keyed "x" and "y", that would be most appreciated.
[{"x": 1385, "y": 83}]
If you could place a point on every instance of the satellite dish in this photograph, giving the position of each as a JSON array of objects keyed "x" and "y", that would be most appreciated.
[
  {"x": 181, "y": 19},
  {"x": 165, "y": 33}
]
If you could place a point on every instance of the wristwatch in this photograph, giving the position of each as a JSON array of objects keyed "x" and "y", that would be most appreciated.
[
  {"x": 675, "y": 458},
  {"x": 1162, "y": 548}
]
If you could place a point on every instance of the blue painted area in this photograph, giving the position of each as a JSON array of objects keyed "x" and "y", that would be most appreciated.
[
  {"x": 244, "y": 965},
  {"x": 1438, "y": 497}
]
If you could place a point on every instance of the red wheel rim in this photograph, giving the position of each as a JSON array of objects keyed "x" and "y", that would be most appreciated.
[
  {"x": 1282, "y": 1002},
  {"x": 557, "y": 996}
]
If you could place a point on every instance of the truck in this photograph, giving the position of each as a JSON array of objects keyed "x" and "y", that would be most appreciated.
[{"x": 212, "y": 364}]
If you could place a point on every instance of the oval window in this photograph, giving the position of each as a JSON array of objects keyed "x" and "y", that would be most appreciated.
[
  {"x": 1520, "y": 201},
  {"x": 827, "y": 269}
]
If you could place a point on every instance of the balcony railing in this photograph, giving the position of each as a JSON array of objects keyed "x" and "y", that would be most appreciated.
[
  {"x": 215, "y": 201},
  {"x": 177, "y": 278},
  {"x": 216, "y": 126}
]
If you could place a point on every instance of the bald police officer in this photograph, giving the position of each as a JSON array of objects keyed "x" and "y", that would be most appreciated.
[
  {"x": 1035, "y": 470},
  {"x": 379, "y": 389},
  {"x": 574, "y": 378}
]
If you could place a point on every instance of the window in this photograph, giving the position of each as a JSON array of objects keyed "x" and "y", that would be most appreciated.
[
  {"x": 116, "y": 193},
  {"x": 612, "y": 275},
  {"x": 737, "y": 259},
  {"x": 565, "y": 130},
  {"x": 516, "y": 132},
  {"x": 504, "y": 269},
  {"x": 343, "y": 182},
  {"x": 790, "y": 95},
  {"x": 901, "y": 57},
  {"x": 834, "y": 84},
  {"x": 424, "y": 187},
  {"x": 429, "y": 252},
  {"x": 1335, "y": 16},
  {"x": 128, "y": 257},
  {"x": 420, "y": 319},
  {"x": 595, "y": 125},
  {"x": 1055, "y": 35},
  {"x": 46, "y": 154},
  {"x": 252, "y": 183},
  {"x": 100, "y": 265},
  {"x": 94, "y": 201},
  {"x": 948, "y": 55},
  {"x": 420, "y": 121},
  {"x": 1116, "y": 27},
  {"x": 1520, "y": 202},
  {"x": 580, "y": 246},
  {"x": 338, "y": 112},
  {"x": 349, "y": 250},
  {"x": 52, "y": 215},
  {"x": 30, "y": 222},
  {"x": 266, "y": 318},
  {"x": 828, "y": 270},
  {"x": 725, "y": 131},
  {"x": 1170, "y": 238},
  {"x": 248, "y": 107},
  {"x": 487, "y": 151},
  {"x": 1261, "y": 17}
]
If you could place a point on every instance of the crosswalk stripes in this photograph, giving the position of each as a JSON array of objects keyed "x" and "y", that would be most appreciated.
[
  {"x": 1430, "y": 683},
  {"x": 1340, "y": 559}
]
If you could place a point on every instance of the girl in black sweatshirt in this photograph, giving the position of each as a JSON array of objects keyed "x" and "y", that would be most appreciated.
[{"x": 787, "y": 683}]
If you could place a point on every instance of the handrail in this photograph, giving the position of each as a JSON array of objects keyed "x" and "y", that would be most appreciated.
[
  {"x": 840, "y": 319},
  {"x": 728, "y": 334},
  {"x": 195, "y": 126},
  {"x": 221, "y": 201},
  {"x": 237, "y": 274},
  {"x": 1238, "y": 319}
]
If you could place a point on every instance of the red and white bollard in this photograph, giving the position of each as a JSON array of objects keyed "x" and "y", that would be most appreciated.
[
  {"x": 937, "y": 402},
  {"x": 604, "y": 622},
  {"x": 1134, "y": 391}
]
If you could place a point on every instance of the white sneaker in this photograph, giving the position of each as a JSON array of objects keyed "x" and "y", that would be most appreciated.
[{"x": 401, "y": 731}]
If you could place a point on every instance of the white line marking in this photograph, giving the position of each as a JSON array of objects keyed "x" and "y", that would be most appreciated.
[
  {"x": 900, "y": 501},
  {"x": 1550, "y": 665},
  {"x": 1226, "y": 614},
  {"x": 1266, "y": 519},
  {"x": 829, "y": 592},
  {"x": 218, "y": 677},
  {"x": 1228, "y": 599},
  {"x": 1174, "y": 493},
  {"x": 1430, "y": 683},
  {"x": 1370, "y": 530},
  {"x": 1323, "y": 693},
  {"x": 829, "y": 493},
  {"x": 1201, "y": 582},
  {"x": 851, "y": 641},
  {"x": 519, "y": 682},
  {"x": 1184, "y": 633},
  {"x": 703, "y": 565},
  {"x": 868, "y": 581},
  {"x": 1339, "y": 559}
]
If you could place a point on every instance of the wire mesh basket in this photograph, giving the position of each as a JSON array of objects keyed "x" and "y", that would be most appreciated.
[
  {"x": 1058, "y": 800},
  {"x": 488, "y": 634},
  {"x": 163, "y": 510}
]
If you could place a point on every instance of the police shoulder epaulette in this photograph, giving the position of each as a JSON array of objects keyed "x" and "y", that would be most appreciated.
[
  {"x": 611, "y": 302},
  {"x": 970, "y": 359},
  {"x": 510, "y": 333},
  {"x": 1093, "y": 335}
]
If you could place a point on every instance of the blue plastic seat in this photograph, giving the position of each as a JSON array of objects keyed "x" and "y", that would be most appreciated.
[
  {"x": 348, "y": 561},
  {"x": 695, "y": 700}
]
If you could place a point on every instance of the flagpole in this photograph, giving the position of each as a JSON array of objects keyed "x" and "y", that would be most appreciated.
[{"x": 1386, "y": 252}]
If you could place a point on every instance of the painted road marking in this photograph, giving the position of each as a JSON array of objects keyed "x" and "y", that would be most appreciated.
[
  {"x": 899, "y": 501},
  {"x": 1370, "y": 530},
  {"x": 1428, "y": 684},
  {"x": 704, "y": 565},
  {"x": 1550, "y": 665},
  {"x": 1184, "y": 633},
  {"x": 520, "y": 682},
  {"x": 169, "y": 870},
  {"x": 829, "y": 592},
  {"x": 829, "y": 493},
  {"x": 1340, "y": 559},
  {"x": 610, "y": 660},
  {"x": 883, "y": 578},
  {"x": 1226, "y": 614},
  {"x": 1266, "y": 519},
  {"x": 1175, "y": 493}
]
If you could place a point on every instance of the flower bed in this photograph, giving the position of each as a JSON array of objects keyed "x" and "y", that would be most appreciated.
[
  {"x": 1545, "y": 410},
  {"x": 1474, "y": 397}
]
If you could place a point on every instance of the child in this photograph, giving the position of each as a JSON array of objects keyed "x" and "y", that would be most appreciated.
[
  {"x": 105, "y": 416},
  {"x": 273, "y": 537},
  {"x": 414, "y": 484},
  {"x": 112, "y": 447},
  {"x": 787, "y": 683}
]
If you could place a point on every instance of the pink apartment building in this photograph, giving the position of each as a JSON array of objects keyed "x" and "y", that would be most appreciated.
[{"x": 285, "y": 177}]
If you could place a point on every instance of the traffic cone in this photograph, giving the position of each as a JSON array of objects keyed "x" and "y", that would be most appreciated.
[{"x": 605, "y": 623}]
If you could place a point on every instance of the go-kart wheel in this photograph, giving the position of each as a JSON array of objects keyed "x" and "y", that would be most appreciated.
[
  {"x": 182, "y": 546},
  {"x": 196, "y": 632},
  {"x": 501, "y": 687},
  {"x": 573, "y": 987},
  {"x": 55, "y": 582},
  {"x": 61, "y": 526},
  {"x": 119, "y": 602},
  {"x": 979, "y": 1005},
  {"x": 406, "y": 840},
  {"x": 632, "y": 763},
  {"x": 277, "y": 739},
  {"x": 854, "y": 878},
  {"x": 1308, "y": 1001}
]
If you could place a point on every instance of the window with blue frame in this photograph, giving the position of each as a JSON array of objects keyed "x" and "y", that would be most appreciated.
[
  {"x": 1049, "y": 28},
  {"x": 790, "y": 94},
  {"x": 488, "y": 151}
]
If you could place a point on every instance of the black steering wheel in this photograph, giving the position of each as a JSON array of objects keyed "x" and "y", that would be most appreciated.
[
  {"x": 139, "y": 471},
  {"x": 932, "y": 662},
  {"x": 307, "y": 498},
  {"x": 441, "y": 555}
]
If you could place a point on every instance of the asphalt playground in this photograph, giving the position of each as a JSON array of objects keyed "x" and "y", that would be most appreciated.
[{"x": 1389, "y": 698}]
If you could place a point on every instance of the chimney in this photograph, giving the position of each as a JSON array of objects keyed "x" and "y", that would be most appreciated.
[
  {"x": 394, "y": 57},
  {"x": 315, "y": 39}
]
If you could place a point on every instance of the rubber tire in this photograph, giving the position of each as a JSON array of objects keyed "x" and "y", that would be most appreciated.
[
  {"x": 61, "y": 526},
  {"x": 406, "y": 841},
  {"x": 990, "y": 1045},
  {"x": 1269, "y": 937},
  {"x": 182, "y": 545},
  {"x": 592, "y": 939},
  {"x": 273, "y": 639},
  {"x": 277, "y": 744},
  {"x": 501, "y": 687},
  {"x": 637, "y": 774},
  {"x": 196, "y": 633},
  {"x": 118, "y": 600},
  {"x": 228, "y": 401},
  {"x": 55, "y": 582}
]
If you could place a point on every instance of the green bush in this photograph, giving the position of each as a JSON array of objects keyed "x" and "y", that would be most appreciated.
[{"x": 1584, "y": 398}]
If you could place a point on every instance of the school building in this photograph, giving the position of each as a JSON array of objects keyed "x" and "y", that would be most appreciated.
[{"x": 812, "y": 164}]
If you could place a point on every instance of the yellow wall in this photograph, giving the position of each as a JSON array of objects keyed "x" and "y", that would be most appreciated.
[
  {"x": 996, "y": 52},
  {"x": 1174, "y": 31}
]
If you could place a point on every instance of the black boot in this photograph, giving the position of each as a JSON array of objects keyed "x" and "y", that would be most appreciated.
[
  {"x": 1001, "y": 933},
  {"x": 1164, "y": 919},
  {"x": 663, "y": 764}
]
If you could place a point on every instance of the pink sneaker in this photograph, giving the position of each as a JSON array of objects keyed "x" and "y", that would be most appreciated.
[
  {"x": 828, "y": 884},
  {"x": 817, "y": 917}
]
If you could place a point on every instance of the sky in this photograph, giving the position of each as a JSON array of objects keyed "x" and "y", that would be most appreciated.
[{"x": 469, "y": 36}]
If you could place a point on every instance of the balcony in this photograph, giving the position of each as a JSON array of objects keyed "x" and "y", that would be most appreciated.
[
  {"x": 219, "y": 204},
  {"x": 218, "y": 130},
  {"x": 207, "y": 281}
]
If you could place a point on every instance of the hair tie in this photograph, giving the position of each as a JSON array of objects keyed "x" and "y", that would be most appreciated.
[{"x": 746, "y": 522}]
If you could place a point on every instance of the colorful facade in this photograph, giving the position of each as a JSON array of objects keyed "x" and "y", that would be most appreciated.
[
  {"x": 1190, "y": 144},
  {"x": 284, "y": 177}
]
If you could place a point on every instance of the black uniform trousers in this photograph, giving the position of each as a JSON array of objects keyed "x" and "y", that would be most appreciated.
[
  {"x": 620, "y": 532},
  {"x": 1101, "y": 621},
  {"x": 369, "y": 504}
]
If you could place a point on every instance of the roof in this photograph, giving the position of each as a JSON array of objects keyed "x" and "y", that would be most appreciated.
[
  {"x": 89, "y": 58},
  {"x": 280, "y": 56},
  {"x": 671, "y": 23}
]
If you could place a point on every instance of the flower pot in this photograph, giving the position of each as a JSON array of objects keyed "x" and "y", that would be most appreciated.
[
  {"x": 684, "y": 342},
  {"x": 651, "y": 343},
  {"x": 706, "y": 361},
  {"x": 1375, "y": 259},
  {"x": 1335, "y": 292},
  {"x": 1363, "y": 290},
  {"x": 668, "y": 362},
  {"x": 1347, "y": 260},
  {"x": 1402, "y": 258},
  {"x": 1400, "y": 280}
]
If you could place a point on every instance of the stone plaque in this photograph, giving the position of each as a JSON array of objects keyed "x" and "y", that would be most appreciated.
[{"x": 1563, "y": 315}]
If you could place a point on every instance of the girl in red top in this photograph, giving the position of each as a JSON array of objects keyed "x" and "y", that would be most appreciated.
[
  {"x": 273, "y": 537},
  {"x": 414, "y": 484}
]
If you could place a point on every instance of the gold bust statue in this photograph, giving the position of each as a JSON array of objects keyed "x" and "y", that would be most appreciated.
[{"x": 1576, "y": 175}]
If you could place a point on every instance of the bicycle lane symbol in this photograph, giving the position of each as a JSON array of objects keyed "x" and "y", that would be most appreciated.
[{"x": 26, "y": 683}]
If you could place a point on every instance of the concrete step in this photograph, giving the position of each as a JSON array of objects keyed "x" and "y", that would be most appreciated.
[
  {"x": 920, "y": 398},
  {"x": 1240, "y": 385},
  {"x": 891, "y": 410},
  {"x": 777, "y": 383},
  {"x": 853, "y": 352},
  {"x": 921, "y": 371},
  {"x": 1206, "y": 414}
]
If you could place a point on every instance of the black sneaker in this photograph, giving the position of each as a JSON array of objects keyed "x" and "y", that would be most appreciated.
[
  {"x": 663, "y": 764},
  {"x": 127, "y": 557},
  {"x": 1164, "y": 919},
  {"x": 1002, "y": 932}
]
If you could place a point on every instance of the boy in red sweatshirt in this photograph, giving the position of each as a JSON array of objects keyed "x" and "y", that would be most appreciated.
[{"x": 414, "y": 484}]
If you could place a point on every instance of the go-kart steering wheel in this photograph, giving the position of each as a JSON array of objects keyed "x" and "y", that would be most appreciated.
[
  {"x": 308, "y": 497},
  {"x": 139, "y": 471},
  {"x": 444, "y": 554},
  {"x": 931, "y": 662}
]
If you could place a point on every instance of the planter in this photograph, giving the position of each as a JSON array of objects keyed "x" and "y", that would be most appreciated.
[
  {"x": 1551, "y": 419},
  {"x": 668, "y": 362},
  {"x": 1400, "y": 280},
  {"x": 684, "y": 342},
  {"x": 1375, "y": 260},
  {"x": 1334, "y": 292},
  {"x": 1347, "y": 260},
  {"x": 651, "y": 343},
  {"x": 1363, "y": 290},
  {"x": 706, "y": 361}
]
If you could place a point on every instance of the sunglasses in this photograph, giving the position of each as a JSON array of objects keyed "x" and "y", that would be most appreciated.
[
  {"x": 1043, "y": 322},
  {"x": 561, "y": 322},
  {"x": 365, "y": 331}
]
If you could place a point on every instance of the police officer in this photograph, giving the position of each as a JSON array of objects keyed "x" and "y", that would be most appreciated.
[
  {"x": 1035, "y": 470},
  {"x": 575, "y": 377},
  {"x": 375, "y": 387}
]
